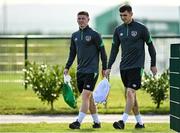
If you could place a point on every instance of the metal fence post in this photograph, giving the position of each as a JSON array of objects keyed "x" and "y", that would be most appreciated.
[{"x": 25, "y": 57}]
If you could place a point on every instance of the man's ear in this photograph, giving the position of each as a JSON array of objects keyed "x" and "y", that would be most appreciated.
[{"x": 131, "y": 13}]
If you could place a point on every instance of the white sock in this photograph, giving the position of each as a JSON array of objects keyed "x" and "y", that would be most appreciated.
[
  {"x": 81, "y": 116},
  {"x": 138, "y": 119},
  {"x": 124, "y": 117},
  {"x": 95, "y": 118}
]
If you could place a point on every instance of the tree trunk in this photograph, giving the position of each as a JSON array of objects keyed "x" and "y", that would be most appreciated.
[
  {"x": 52, "y": 106},
  {"x": 158, "y": 105}
]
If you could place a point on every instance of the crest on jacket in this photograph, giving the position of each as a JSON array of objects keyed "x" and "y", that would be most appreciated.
[
  {"x": 88, "y": 38},
  {"x": 133, "y": 33}
]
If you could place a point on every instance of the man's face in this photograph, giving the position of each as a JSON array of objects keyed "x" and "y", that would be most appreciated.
[
  {"x": 126, "y": 17},
  {"x": 82, "y": 21}
]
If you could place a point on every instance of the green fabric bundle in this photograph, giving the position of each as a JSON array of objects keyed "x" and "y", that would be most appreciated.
[{"x": 68, "y": 95}]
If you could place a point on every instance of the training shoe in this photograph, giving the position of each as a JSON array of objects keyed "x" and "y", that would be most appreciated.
[
  {"x": 75, "y": 125},
  {"x": 139, "y": 126},
  {"x": 96, "y": 125},
  {"x": 118, "y": 124}
]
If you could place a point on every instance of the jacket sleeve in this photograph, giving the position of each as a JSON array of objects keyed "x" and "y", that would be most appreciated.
[
  {"x": 151, "y": 49},
  {"x": 103, "y": 57},
  {"x": 102, "y": 51},
  {"x": 152, "y": 53},
  {"x": 72, "y": 54},
  {"x": 114, "y": 49}
]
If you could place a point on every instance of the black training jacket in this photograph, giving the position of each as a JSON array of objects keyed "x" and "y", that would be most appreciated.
[
  {"x": 87, "y": 45},
  {"x": 132, "y": 38}
]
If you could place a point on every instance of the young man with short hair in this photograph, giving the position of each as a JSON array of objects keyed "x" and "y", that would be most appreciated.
[
  {"x": 132, "y": 36},
  {"x": 87, "y": 45}
]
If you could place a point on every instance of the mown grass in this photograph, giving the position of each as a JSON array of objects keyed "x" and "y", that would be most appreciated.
[
  {"x": 11, "y": 76},
  {"x": 14, "y": 99},
  {"x": 85, "y": 127}
]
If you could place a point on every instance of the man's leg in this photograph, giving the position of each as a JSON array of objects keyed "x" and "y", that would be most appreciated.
[
  {"x": 83, "y": 110},
  {"x": 92, "y": 106},
  {"x": 125, "y": 115},
  {"x": 136, "y": 112},
  {"x": 130, "y": 92},
  {"x": 121, "y": 123},
  {"x": 132, "y": 83},
  {"x": 88, "y": 85},
  {"x": 135, "y": 108},
  {"x": 130, "y": 98},
  {"x": 86, "y": 94},
  {"x": 93, "y": 111}
]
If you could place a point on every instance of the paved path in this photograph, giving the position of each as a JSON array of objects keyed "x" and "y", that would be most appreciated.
[{"x": 70, "y": 118}]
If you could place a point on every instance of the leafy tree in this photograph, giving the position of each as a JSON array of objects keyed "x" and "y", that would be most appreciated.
[{"x": 157, "y": 87}]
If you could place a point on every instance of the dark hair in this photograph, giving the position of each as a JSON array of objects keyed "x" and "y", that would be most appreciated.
[
  {"x": 83, "y": 13},
  {"x": 125, "y": 7}
]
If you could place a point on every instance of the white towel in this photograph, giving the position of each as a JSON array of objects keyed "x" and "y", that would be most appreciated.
[
  {"x": 101, "y": 92},
  {"x": 67, "y": 80}
]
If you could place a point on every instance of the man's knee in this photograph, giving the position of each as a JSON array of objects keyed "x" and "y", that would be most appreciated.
[
  {"x": 86, "y": 94},
  {"x": 130, "y": 94}
]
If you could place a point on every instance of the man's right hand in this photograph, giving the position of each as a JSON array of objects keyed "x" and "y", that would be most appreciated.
[
  {"x": 66, "y": 71},
  {"x": 107, "y": 73}
]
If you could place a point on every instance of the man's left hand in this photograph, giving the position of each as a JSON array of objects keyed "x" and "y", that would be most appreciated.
[
  {"x": 104, "y": 73},
  {"x": 154, "y": 70}
]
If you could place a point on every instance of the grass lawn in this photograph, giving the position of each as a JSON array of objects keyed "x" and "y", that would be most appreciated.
[
  {"x": 14, "y": 99},
  {"x": 11, "y": 76},
  {"x": 85, "y": 127}
]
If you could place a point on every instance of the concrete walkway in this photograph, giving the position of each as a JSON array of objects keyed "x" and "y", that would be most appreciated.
[{"x": 69, "y": 118}]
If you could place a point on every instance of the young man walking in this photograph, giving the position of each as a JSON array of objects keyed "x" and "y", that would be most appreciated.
[
  {"x": 132, "y": 36},
  {"x": 87, "y": 45}
]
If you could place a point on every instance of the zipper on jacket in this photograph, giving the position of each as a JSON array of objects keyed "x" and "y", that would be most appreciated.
[
  {"x": 81, "y": 35},
  {"x": 127, "y": 30}
]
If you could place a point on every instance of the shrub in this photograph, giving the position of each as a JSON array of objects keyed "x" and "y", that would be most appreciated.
[
  {"x": 47, "y": 81},
  {"x": 157, "y": 87}
]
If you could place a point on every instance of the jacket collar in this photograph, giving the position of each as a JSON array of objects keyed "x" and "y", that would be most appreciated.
[
  {"x": 130, "y": 23},
  {"x": 87, "y": 27}
]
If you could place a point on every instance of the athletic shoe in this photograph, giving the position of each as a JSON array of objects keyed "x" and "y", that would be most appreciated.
[
  {"x": 139, "y": 126},
  {"x": 75, "y": 125},
  {"x": 96, "y": 125},
  {"x": 118, "y": 124}
]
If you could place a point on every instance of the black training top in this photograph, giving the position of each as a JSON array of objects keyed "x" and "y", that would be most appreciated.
[
  {"x": 87, "y": 44},
  {"x": 132, "y": 38}
]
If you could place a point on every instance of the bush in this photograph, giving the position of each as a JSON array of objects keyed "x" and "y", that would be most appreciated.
[
  {"x": 157, "y": 87},
  {"x": 47, "y": 81}
]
